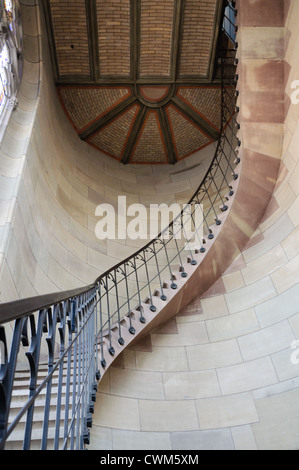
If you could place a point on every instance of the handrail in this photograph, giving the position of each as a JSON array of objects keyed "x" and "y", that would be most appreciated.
[
  {"x": 16, "y": 309},
  {"x": 82, "y": 325}
]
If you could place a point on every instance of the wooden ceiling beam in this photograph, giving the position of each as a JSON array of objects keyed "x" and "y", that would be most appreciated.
[
  {"x": 93, "y": 43},
  {"x": 51, "y": 38},
  {"x": 73, "y": 80},
  {"x": 168, "y": 141},
  {"x": 177, "y": 35},
  {"x": 135, "y": 38},
  {"x": 134, "y": 135}
]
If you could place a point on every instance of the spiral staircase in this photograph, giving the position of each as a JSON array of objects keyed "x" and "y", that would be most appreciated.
[{"x": 70, "y": 339}]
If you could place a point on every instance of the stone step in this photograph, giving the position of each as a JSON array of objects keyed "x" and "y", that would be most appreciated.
[{"x": 15, "y": 441}]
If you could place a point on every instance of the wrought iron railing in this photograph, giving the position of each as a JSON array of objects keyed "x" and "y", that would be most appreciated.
[{"x": 64, "y": 339}]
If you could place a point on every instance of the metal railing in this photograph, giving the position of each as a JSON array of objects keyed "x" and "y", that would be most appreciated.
[{"x": 64, "y": 339}]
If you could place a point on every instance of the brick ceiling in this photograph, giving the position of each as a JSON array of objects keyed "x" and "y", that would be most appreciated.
[{"x": 136, "y": 78}]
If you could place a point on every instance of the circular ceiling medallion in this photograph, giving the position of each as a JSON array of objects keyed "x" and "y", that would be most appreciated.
[{"x": 154, "y": 94}]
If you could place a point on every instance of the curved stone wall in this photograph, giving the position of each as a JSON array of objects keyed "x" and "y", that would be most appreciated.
[
  {"x": 51, "y": 184},
  {"x": 224, "y": 373}
]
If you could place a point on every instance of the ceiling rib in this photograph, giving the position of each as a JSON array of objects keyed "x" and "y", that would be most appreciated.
[
  {"x": 172, "y": 159},
  {"x": 91, "y": 13},
  {"x": 135, "y": 39},
  {"x": 110, "y": 116},
  {"x": 177, "y": 34},
  {"x": 134, "y": 135},
  {"x": 196, "y": 118}
]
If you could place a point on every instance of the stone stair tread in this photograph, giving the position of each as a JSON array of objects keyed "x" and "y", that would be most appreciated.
[
  {"x": 18, "y": 436},
  {"x": 39, "y": 417},
  {"x": 39, "y": 403}
]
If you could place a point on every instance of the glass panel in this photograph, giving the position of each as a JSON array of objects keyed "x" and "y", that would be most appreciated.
[
  {"x": 10, "y": 57},
  {"x": 229, "y": 23}
]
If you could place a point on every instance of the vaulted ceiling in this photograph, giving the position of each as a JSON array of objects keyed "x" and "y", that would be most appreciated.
[{"x": 136, "y": 78}]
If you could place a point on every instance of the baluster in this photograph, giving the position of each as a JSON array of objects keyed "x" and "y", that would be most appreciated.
[
  {"x": 182, "y": 269},
  {"x": 7, "y": 373},
  {"x": 232, "y": 151},
  {"x": 79, "y": 429},
  {"x": 4, "y": 398},
  {"x": 120, "y": 338},
  {"x": 60, "y": 311},
  {"x": 90, "y": 384},
  {"x": 70, "y": 309},
  {"x": 142, "y": 319},
  {"x": 193, "y": 261},
  {"x": 86, "y": 388},
  {"x": 93, "y": 331},
  {"x": 33, "y": 358},
  {"x": 75, "y": 327},
  {"x": 173, "y": 284},
  {"x": 206, "y": 190},
  {"x": 144, "y": 259},
  {"x": 92, "y": 361},
  {"x": 51, "y": 347},
  {"x": 218, "y": 193},
  {"x": 111, "y": 349},
  {"x": 153, "y": 248},
  {"x": 94, "y": 374},
  {"x": 131, "y": 328},
  {"x": 103, "y": 362},
  {"x": 97, "y": 300},
  {"x": 196, "y": 203}
]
